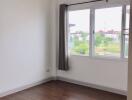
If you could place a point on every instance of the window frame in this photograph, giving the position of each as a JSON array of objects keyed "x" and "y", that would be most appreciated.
[
  {"x": 110, "y": 57},
  {"x": 123, "y": 31},
  {"x": 68, "y": 30},
  {"x": 92, "y": 28}
]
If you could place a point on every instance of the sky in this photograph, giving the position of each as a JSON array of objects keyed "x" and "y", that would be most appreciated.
[{"x": 105, "y": 19}]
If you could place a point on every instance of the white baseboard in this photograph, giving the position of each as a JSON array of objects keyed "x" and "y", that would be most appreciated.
[
  {"x": 25, "y": 87},
  {"x": 112, "y": 90}
]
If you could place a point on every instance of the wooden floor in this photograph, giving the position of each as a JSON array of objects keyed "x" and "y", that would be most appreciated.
[{"x": 58, "y": 90}]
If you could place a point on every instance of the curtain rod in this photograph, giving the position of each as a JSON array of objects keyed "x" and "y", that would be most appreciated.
[{"x": 87, "y": 2}]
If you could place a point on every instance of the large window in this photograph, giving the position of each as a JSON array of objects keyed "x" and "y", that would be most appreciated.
[
  {"x": 99, "y": 32},
  {"x": 108, "y": 31},
  {"x": 79, "y": 32}
]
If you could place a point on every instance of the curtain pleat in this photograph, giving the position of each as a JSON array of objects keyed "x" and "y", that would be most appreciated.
[{"x": 63, "y": 47}]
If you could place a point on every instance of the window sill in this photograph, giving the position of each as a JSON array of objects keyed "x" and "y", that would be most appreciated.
[{"x": 102, "y": 58}]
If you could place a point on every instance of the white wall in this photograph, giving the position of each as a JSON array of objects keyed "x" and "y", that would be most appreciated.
[
  {"x": 107, "y": 73},
  {"x": 53, "y": 38},
  {"x": 24, "y": 42}
]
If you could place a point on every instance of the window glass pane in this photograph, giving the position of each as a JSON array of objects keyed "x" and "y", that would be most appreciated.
[
  {"x": 126, "y": 43},
  {"x": 108, "y": 31},
  {"x": 127, "y": 16},
  {"x": 79, "y": 32},
  {"x": 127, "y": 30}
]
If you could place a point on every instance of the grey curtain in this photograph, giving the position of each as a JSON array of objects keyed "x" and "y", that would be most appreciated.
[{"x": 63, "y": 50}]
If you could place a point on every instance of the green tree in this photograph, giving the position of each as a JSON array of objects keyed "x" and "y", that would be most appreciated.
[
  {"x": 102, "y": 43},
  {"x": 80, "y": 43},
  {"x": 100, "y": 39}
]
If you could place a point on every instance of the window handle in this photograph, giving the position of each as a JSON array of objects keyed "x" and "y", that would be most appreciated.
[
  {"x": 125, "y": 29},
  {"x": 93, "y": 31},
  {"x": 125, "y": 34}
]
